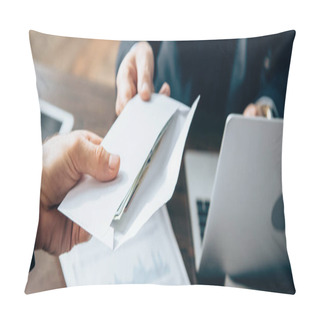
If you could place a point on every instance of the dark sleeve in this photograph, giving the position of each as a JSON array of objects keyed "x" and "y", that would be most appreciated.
[
  {"x": 33, "y": 262},
  {"x": 276, "y": 84}
]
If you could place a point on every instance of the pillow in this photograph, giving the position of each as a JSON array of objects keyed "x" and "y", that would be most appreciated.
[{"x": 76, "y": 87}]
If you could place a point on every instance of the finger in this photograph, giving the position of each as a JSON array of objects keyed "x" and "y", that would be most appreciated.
[
  {"x": 250, "y": 110},
  {"x": 94, "y": 160},
  {"x": 79, "y": 235},
  {"x": 91, "y": 136},
  {"x": 69, "y": 235},
  {"x": 145, "y": 68},
  {"x": 126, "y": 83},
  {"x": 57, "y": 234},
  {"x": 165, "y": 89}
]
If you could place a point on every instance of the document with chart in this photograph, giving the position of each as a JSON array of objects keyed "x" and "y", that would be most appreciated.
[{"x": 152, "y": 256}]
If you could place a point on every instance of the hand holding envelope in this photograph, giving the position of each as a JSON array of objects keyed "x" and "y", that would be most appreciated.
[{"x": 150, "y": 138}]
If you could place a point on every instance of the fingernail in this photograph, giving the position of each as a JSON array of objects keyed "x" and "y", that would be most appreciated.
[
  {"x": 145, "y": 90},
  {"x": 166, "y": 88},
  {"x": 113, "y": 161}
]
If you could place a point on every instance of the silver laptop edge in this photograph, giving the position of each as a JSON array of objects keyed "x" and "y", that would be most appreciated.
[{"x": 241, "y": 236}]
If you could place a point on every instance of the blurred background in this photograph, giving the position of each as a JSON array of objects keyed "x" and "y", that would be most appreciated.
[{"x": 77, "y": 75}]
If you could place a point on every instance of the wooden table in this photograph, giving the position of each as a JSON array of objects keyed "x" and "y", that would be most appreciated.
[{"x": 92, "y": 105}]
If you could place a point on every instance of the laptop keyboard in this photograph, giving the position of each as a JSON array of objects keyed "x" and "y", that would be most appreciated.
[{"x": 202, "y": 208}]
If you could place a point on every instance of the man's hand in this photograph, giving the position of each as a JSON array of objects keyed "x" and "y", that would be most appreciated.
[
  {"x": 135, "y": 75},
  {"x": 256, "y": 110},
  {"x": 65, "y": 159}
]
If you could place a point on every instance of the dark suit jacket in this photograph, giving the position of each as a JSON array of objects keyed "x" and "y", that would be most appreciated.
[{"x": 228, "y": 79}]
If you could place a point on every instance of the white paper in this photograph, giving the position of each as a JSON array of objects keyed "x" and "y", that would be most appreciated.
[
  {"x": 152, "y": 257},
  {"x": 92, "y": 204}
]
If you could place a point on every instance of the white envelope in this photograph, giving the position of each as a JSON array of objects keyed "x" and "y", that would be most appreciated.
[{"x": 93, "y": 204}]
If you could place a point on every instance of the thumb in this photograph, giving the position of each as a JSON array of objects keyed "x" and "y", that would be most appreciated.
[
  {"x": 93, "y": 159},
  {"x": 165, "y": 89}
]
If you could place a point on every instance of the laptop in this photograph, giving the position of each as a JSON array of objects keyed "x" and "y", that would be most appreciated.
[{"x": 236, "y": 207}]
